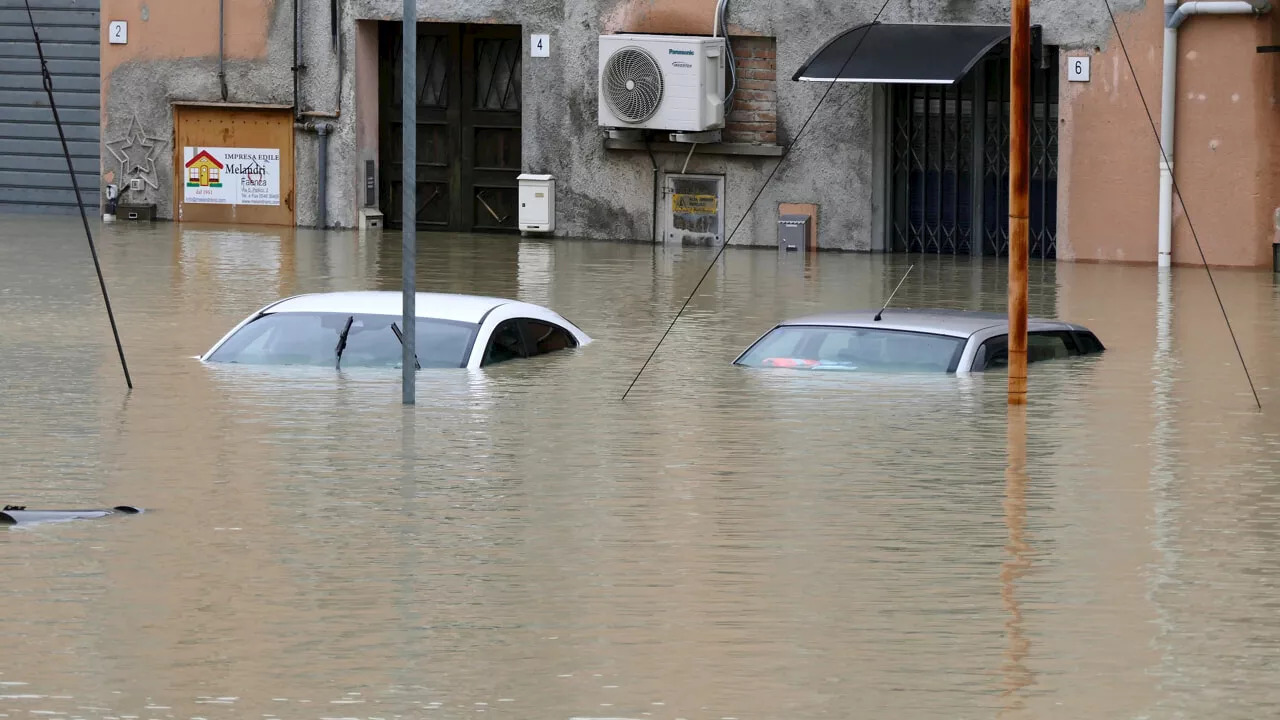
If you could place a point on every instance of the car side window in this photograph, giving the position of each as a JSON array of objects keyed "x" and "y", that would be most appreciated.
[
  {"x": 545, "y": 337},
  {"x": 1049, "y": 346},
  {"x": 1042, "y": 345},
  {"x": 1087, "y": 343},
  {"x": 992, "y": 354},
  {"x": 504, "y": 344}
]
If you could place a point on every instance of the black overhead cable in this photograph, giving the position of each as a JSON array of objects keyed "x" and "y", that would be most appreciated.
[
  {"x": 75, "y": 185},
  {"x": 1178, "y": 193},
  {"x": 786, "y": 152}
]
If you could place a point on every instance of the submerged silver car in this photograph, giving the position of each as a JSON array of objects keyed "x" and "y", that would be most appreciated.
[{"x": 945, "y": 341}]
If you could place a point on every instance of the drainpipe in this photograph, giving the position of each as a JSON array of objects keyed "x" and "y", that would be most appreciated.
[
  {"x": 1174, "y": 16},
  {"x": 297, "y": 59},
  {"x": 222, "y": 33},
  {"x": 322, "y": 164},
  {"x": 322, "y": 131}
]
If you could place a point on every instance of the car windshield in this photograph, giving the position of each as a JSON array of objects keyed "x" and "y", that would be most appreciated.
[
  {"x": 847, "y": 348},
  {"x": 312, "y": 339}
]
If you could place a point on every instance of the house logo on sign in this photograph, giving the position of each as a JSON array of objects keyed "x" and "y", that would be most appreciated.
[
  {"x": 254, "y": 174},
  {"x": 204, "y": 171}
]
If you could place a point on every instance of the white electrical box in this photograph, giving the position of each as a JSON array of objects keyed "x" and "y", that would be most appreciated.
[{"x": 537, "y": 203}]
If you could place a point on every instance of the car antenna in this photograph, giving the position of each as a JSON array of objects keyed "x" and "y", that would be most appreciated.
[
  {"x": 895, "y": 292},
  {"x": 786, "y": 152},
  {"x": 342, "y": 340}
]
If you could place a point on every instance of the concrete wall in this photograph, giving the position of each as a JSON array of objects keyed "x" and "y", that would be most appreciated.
[
  {"x": 1227, "y": 121},
  {"x": 607, "y": 194},
  {"x": 172, "y": 57}
]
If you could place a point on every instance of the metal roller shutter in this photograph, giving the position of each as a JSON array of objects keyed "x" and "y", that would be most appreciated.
[{"x": 33, "y": 172}]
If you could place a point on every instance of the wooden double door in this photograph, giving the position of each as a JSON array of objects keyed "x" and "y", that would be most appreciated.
[{"x": 468, "y": 126}]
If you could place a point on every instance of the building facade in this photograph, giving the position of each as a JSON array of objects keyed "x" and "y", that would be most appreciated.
[{"x": 305, "y": 95}]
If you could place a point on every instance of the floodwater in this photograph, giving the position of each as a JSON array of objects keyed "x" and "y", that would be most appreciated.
[{"x": 723, "y": 544}]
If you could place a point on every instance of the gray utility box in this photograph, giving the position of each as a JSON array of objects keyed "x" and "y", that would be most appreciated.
[{"x": 793, "y": 232}]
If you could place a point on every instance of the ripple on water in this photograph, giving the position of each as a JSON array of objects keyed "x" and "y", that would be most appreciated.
[{"x": 739, "y": 544}]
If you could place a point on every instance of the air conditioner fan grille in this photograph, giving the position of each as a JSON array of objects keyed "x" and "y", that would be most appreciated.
[{"x": 632, "y": 84}]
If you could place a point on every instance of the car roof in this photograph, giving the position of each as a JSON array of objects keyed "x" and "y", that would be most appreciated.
[
  {"x": 956, "y": 323},
  {"x": 443, "y": 306}
]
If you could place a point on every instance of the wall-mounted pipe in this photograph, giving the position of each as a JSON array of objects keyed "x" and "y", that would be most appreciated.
[
  {"x": 222, "y": 34},
  {"x": 298, "y": 67},
  {"x": 1214, "y": 7},
  {"x": 653, "y": 224},
  {"x": 335, "y": 41},
  {"x": 1174, "y": 16},
  {"x": 720, "y": 23},
  {"x": 322, "y": 131},
  {"x": 322, "y": 163}
]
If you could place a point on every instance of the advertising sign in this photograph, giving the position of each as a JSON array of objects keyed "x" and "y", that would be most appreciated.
[{"x": 231, "y": 176}]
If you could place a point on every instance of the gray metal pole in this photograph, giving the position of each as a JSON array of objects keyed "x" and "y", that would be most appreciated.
[{"x": 409, "y": 195}]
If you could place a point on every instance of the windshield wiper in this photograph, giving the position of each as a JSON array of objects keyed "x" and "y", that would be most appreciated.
[
  {"x": 342, "y": 340},
  {"x": 399, "y": 336}
]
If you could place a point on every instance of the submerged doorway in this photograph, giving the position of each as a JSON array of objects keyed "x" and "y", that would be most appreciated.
[
  {"x": 469, "y": 131},
  {"x": 948, "y": 184}
]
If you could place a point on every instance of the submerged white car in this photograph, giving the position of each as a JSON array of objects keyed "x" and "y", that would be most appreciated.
[{"x": 362, "y": 329}]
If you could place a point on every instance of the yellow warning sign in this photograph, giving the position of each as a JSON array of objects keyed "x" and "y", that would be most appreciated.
[{"x": 685, "y": 203}]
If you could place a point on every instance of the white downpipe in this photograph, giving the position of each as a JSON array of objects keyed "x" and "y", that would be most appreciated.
[
  {"x": 1168, "y": 103},
  {"x": 1174, "y": 16},
  {"x": 715, "y": 21}
]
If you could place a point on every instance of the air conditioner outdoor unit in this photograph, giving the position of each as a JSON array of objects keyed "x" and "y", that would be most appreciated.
[{"x": 662, "y": 82}]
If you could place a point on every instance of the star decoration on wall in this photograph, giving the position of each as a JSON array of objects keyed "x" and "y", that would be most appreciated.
[{"x": 136, "y": 152}]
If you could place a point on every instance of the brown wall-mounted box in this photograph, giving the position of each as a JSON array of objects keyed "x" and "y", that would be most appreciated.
[{"x": 137, "y": 213}]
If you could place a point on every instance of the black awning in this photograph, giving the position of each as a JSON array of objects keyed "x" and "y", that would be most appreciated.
[{"x": 886, "y": 53}]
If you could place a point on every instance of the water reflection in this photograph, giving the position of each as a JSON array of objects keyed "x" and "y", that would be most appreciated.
[
  {"x": 1016, "y": 673},
  {"x": 726, "y": 543}
]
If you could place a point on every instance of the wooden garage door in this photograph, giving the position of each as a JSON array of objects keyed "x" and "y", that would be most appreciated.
[{"x": 233, "y": 165}]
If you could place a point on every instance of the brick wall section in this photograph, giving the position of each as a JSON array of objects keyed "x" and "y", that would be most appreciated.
[{"x": 754, "y": 117}]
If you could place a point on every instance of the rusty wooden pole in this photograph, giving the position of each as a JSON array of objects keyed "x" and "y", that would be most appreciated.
[{"x": 1019, "y": 190}]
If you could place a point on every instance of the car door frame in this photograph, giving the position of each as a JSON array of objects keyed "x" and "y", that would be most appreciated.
[
  {"x": 978, "y": 339},
  {"x": 522, "y": 337},
  {"x": 513, "y": 311}
]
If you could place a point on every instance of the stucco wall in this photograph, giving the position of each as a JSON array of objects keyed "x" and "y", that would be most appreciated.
[
  {"x": 607, "y": 194},
  {"x": 1225, "y": 144},
  {"x": 172, "y": 57},
  {"x": 1107, "y": 161}
]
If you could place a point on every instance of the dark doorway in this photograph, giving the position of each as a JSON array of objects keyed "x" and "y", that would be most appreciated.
[
  {"x": 949, "y": 161},
  {"x": 468, "y": 133}
]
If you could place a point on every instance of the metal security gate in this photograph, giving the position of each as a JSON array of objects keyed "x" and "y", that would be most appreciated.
[
  {"x": 33, "y": 171},
  {"x": 949, "y": 161},
  {"x": 468, "y": 126}
]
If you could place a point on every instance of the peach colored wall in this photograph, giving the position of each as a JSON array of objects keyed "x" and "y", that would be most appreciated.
[
  {"x": 1224, "y": 154},
  {"x": 366, "y": 102},
  {"x": 179, "y": 30},
  {"x": 1226, "y": 141},
  {"x": 662, "y": 16},
  {"x": 184, "y": 29},
  {"x": 677, "y": 17}
]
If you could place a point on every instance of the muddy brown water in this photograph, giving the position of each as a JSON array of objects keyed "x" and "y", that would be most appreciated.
[{"x": 724, "y": 544}]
